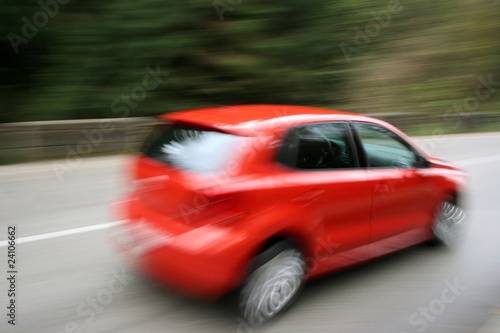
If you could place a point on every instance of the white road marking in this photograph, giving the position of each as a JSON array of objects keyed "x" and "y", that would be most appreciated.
[
  {"x": 478, "y": 160},
  {"x": 64, "y": 232}
]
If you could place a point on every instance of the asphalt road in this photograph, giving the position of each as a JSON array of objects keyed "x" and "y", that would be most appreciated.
[{"x": 69, "y": 278}]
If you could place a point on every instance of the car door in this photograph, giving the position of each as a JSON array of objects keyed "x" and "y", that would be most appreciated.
[
  {"x": 399, "y": 188},
  {"x": 324, "y": 165}
]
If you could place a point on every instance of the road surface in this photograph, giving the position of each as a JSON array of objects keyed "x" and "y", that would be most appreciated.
[{"x": 69, "y": 278}]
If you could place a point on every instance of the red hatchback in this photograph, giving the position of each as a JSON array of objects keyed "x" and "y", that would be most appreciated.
[{"x": 260, "y": 198}]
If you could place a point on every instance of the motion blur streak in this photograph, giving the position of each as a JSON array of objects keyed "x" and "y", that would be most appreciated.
[{"x": 58, "y": 273}]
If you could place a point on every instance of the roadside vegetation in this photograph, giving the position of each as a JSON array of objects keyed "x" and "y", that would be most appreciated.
[{"x": 364, "y": 56}]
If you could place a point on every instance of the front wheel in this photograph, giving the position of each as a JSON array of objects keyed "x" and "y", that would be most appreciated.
[
  {"x": 273, "y": 285},
  {"x": 449, "y": 224}
]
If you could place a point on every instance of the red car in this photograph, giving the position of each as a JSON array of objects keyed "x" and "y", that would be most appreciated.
[{"x": 261, "y": 198}]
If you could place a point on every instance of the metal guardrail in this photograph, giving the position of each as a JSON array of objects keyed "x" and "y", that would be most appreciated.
[
  {"x": 34, "y": 141},
  {"x": 448, "y": 123}
]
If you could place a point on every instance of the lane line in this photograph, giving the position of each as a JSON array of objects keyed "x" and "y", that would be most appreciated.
[
  {"x": 478, "y": 160},
  {"x": 64, "y": 232},
  {"x": 68, "y": 232}
]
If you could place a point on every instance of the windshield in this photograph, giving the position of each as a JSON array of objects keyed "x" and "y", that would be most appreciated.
[{"x": 189, "y": 148}]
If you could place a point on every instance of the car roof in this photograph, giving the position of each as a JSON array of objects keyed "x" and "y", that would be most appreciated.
[{"x": 248, "y": 118}]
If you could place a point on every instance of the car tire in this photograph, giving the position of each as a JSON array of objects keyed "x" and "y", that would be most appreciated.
[
  {"x": 274, "y": 283},
  {"x": 449, "y": 224}
]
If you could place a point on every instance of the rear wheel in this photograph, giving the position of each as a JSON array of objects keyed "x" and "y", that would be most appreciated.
[
  {"x": 274, "y": 283},
  {"x": 449, "y": 224}
]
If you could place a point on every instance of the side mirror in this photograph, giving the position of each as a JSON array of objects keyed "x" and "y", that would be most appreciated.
[{"x": 421, "y": 162}]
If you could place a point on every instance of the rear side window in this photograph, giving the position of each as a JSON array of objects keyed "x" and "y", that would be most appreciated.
[
  {"x": 190, "y": 148},
  {"x": 317, "y": 147}
]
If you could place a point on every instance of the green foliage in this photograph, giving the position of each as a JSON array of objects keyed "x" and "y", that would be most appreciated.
[{"x": 227, "y": 52}]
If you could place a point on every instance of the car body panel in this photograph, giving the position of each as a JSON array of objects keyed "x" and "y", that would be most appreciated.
[{"x": 200, "y": 232}]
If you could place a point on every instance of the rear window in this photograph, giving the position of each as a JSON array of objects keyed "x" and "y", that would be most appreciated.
[{"x": 190, "y": 148}]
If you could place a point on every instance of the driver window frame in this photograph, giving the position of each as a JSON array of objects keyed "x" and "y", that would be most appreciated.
[
  {"x": 350, "y": 141},
  {"x": 363, "y": 155}
]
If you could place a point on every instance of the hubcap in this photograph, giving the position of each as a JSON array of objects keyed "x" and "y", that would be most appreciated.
[
  {"x": 272, "y": 286},
  {"x": 449, "y": 224}
]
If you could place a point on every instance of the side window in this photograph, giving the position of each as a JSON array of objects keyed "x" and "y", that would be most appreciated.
[
  {"x": 383, "y": 148},
  {"x": 317, "y": 146}
]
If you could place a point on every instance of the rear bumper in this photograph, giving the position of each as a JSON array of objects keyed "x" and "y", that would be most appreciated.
[{"x": 206, "y": 262}]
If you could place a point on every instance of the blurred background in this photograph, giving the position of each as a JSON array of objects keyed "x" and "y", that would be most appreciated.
[
  {"x": 423, "y": 56},
  {"x": 429, "y": 67}
]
